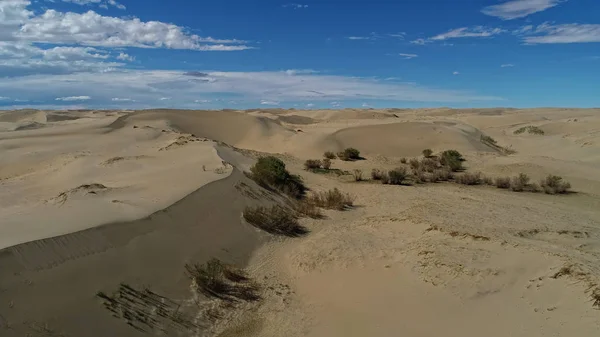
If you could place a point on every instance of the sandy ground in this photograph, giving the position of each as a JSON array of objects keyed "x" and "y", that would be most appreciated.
[{"x": 428, "y": 260}]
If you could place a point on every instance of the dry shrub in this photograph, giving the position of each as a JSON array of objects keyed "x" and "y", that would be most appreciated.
[
  {"x": 312, "y": 164},
  {"x": 554, "y": 185},
  {"x": 530, "y": 129},
  {"x": 403, "y": 160},
  {"x": 349, "y": 154},
  {"x": 275, "y": 220},
  {"x": 452, "y": 154},
  {"x": 216, "y": 279},
  {"x": 358, "y": 175},
  {"x": 414, "y": 163},
  {"x": 519, "y": 183},
  {"x": 427, "y": 153},
  {"x": 329, "y": 155},
  {"x": 332, "y": 199},
  {"x": 385, "y": 178},
  {"x": 429, "y": 165},
  {"x": 469, "y": 179},
  {"x": 377, "y": 174},
  {"x": 503, "y": 182},
  {"x": 488, "y": 180},
  {"x": 326, "y": 163},
  {"x": 420, "y": 176},
  {"x": 307, "y": 209},
  {"x": 443, "y": 174},
  {"x": 397, "y": 176}
]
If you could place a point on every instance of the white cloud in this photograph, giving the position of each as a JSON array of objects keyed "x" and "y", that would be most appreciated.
[
  {"x": 400, "y": 35},
  {"x": 335, "y": 104},
  {"x": 310, "y": 105},
  {"x": 263, "y": 102},
  {"x": 373, "y": 36},
  {"x": 295, "y": 6},
  {"x": 117, "y": 99},
  {"x": 408, "y": 56},
  {"x": 420, "y": 42},
  {"x": 102, "y": 3},
  {"x": 365, "y": 105},
  {"x": 202, "y": 101},
  {"x": 464, "y": 32},
  {"x": 2, "y": 98},
  {"x": 562, "y": 33},
  {"x": 14, "y": 12},
  {"x": 515, "y": 9},
  {"x": 507, "y": 65},
  {"x": 456, "y": 73},
  {"x": 125, "y": 57},
  {"x": 73, "y": 98},
  {"x": 146, "y": 87}
]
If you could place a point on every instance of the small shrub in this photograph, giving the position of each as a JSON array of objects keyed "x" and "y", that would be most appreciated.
[
  {"x": 312, "y": 164},
  {"x": 275, "y": 220},
  {"x": 519, "y": 183},
  {"x": 452, "y": 154},
  {"x": 329, "y": 155},
  {"x": 469, "y": 179},
  {"x": 270, "y": 172},
  {"x": 453, "y": 163},
  {"x": 488, "y": 180},
  {"x": 349, "y": 154},
  {"x": 358, "y": 175},
  {"x": 554, "y": 185},
  {"x": 414, "y": 163},
  {"x": 420, "y": 176},
  {"x": 216, "y": 279},
  {"x": 427, "y": 153},
  {"x": 403, "y": 160},
  {"x": 443, "y": 174},
  {"x": 307, "y": 209},
  {"x": 397, "y": 176},
  {"x": 429, "y": 165},
  {"x": 332, "y": 199},
  {"x": 377, "y": 174},
  {"x": 326, "y": 163},
  {"x": 385, "y": 178},
  {"x": 503, "y": 182}
]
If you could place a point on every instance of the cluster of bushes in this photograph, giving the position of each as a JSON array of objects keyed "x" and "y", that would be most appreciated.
[
  {"x": 270, "y": 172},
  {"x": 349, "y": 154},
  {"x": 396, "y": 176},
  {"x": 550, "y": 185},
  {"x": 529, "y": 129},
  {"x": 332, "y": 199},
  {"x": 315, "y": 164}
]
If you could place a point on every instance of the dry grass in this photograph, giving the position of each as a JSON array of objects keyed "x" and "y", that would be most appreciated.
[
  {"x": 358, "y": 175},
  {"x": 312, "y": 164},
  {"x": 502, "y": 182},
  {"x": 519, "y": 183},
  {"x": 329, "y": 155},
  {"x": 420, "y": 176},
  {"x": 377, "y": 174},
  {"x": 469, "y": 179},
  {"x": 488, "y": 180},
  {"x": 443, "y": 174},
  {"x": 430, "y": 164},
  {"x": 427, "y": 153},
  {"x": 275, "y": 220},
  {"x": 554, "y": 185},
  {"x": 414, "y": 163},
  {"x": 349, "y": 154},
  {"x": 332, "y": 199},
  {"x": 307, "y": 209},
  {"x": 326, "y": 164},
  {"x": 219, "y": 280}
]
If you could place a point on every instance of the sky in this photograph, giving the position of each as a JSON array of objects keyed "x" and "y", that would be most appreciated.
[{"x": 238, "y": 54}]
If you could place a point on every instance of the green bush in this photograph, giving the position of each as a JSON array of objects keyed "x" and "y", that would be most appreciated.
[
  {"x": 452, "y": 154},
  {"x": 349, "y": 154},
  {"x": 555, "y": 185},
  {"x": 329, "y": 155},
  {"x": 270, "y": 172},
  {"x": 453, "y": 163},
  {"x": 275, "y": 220},
  {"x": 427, "y": 153},
  {"x": 397, "y": 176},
  {"x": 530, "y": 129}
]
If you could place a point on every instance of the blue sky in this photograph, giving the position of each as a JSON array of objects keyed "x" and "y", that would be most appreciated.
[{"x": 310, "y": 54}]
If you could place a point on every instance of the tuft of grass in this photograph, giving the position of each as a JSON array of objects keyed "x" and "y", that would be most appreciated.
[
  {"x": 554, "y": 185},
  {"x": 358, "y": 175},
  {"x": 377, "y": 174},
  {"x": 519, "y": 183},
  {"x": 329, "y": 155},
  {"x": 219, "y": 280},
  {"x": 275, "y": 220},
  {"x": 397, "y": 176},
  {"x": 332, "y": 199},
  {"x": 488, "y": 140},
  {"x": 349, "y": 154},
  {"x": 270, "y": 172},
  {"x": 502, "y": 182},
  {"x": 307, "y": 209},
  {"x": 312, "y": 164},
  {"x": 469, "y": 179},
  {"x": 427, "y": 153},
  {"x": 529, "y": 129}
]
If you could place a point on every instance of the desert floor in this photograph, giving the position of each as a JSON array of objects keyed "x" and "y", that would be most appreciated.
[{"x": 118, "y": 202}]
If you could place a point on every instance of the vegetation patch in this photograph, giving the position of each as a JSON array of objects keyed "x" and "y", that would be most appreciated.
[
  {"x": 491, "y": 142},
  {"x": 214, "y": 279},
  {"x": 349, "y": 154},
  {"x": 329, "y": 155},
  {"x": 332, "y": 199},
  {"x": 534, "y": 130},
  {"x": 555, "y": 185},
  {"x": 427, "y": 153},
  {"x": 276, "y": 220},
  {"x": 397, "y": 176},
  {"x": 270, "y": 172}
]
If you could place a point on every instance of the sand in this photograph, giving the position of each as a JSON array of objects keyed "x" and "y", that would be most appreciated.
[{"x": 93, "y": 199}]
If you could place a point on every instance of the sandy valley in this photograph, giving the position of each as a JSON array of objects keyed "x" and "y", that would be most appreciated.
[{"x": 101, "y": 211}]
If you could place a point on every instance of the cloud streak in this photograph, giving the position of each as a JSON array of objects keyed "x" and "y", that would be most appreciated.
[
  {"x": 515, "y": 9},
  {"x": 563, "y": 33}
]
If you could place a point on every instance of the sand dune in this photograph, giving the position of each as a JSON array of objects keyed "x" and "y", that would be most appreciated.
[{"x": 119, "y": 201}]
